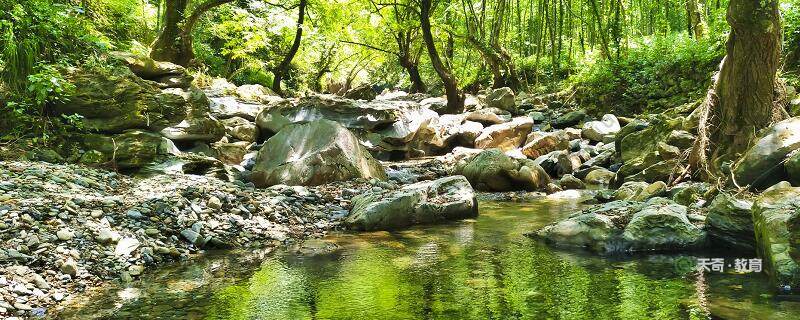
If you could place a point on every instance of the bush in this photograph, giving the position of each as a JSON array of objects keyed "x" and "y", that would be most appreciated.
[{"x": 652, "y": 77}]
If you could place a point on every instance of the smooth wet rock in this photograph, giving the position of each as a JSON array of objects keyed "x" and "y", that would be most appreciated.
[
  {"x": 132, "y": 149},
  {"x": 447, "y": 198},
  {"x": 312, "y": 154}
]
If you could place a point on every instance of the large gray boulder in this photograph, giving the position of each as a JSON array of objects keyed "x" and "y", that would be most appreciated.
[
  {"x": 641, "y": 146},
  {"x": 730, "y": 222},
  {"x": 199, "y": 124},
  {"x": 447, "y": 198},
  {"x": 492, "y": 170},
  {"x": 762, "y": 164},
  {"x": 313, "y": 153}
]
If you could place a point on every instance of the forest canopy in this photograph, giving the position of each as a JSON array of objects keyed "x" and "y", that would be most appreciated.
[{"x": 627, "y": 55}]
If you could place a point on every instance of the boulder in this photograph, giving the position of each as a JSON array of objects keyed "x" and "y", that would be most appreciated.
[
  {"x": 729, "y": 222},
  {"x": 792, "y": 166},
  {"x": 147, "y": 68},
  {"x": 596, "y": 130},
  {"x": 439, "y": 200},
  {"x": 489, "y": 116},
  {"x": 501, "y": 98},
  {"x": 506, "y": 136},
  {"x": 546, "y": 143},
  {"x": 115, "y": 100},
  {"x": 255, "y": 93},
  {"x": 199, "y": 124},
  {"x": 777, "y": 234},
  {"x": 691, "y": 193},
  {"x": 761, "y": 166},
  {"x": 241, "y": 129},
  {"x": 629, "y": 190},
  {"x": 314, "y": 153},
  {"x": 492, "y": 170},
  {"x": 131, "y": 149},
  {"x": 638, "y": 147},
  {"x": 662, "y": 226},
  {"x": 599, "y": 176},
  {"x": 568, "y": 119},
  {"x": 231, "y": 152},
  {"x": 569, "y": 181},
  {"x": 658, "y": 224},
  {"x": 362, "y": 92},
  {"x": 228, "y": 107}
]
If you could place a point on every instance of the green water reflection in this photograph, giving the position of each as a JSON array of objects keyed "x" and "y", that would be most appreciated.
[{"x": 478, "y": 269}]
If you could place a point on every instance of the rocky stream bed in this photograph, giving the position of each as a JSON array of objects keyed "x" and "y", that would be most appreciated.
[{"x": 169, "y": 168}]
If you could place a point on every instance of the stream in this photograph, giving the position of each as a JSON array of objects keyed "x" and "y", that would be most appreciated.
[{"x": 473, "y": 269}]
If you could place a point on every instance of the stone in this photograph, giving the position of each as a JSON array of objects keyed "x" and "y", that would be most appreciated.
[
  {"x": 596, "y": 228},
  {"x": 569, "y": 181},
  {"x": 729, "y": 222},
  {"x": 214, "y": 203},
  {"x": 761, "y": 166},
  {"x": 241, "y": 129},
  {"x": 126, "y": 246},
  {"x": 568, "y": 119},
  {"x": 792, "y": 167},
  {"x": 662, "y": 227},
  {"x": 506, "y": 136},
  {"x": 654, "y": 189},
  {"x": 638, "y": 147},
  {"x": 229, "y": 107},
  {"x": 691, "y": 193},
  {"x": 106, "y": 236},
  {"x": 501, "y": 98},
  {"x": 314, "y": 153},
  {"x": 489, "y": 116},
  {"x": 131, "y": 149},
  {"x": 231, "y": 153},
  {"x": 629, "y": 190},
  {"x": 597, "y": 130},
  {"x": 492, "y": 170},
  {"x": 439, "y": 200},
  {"x": 204, "y": 129},
  {"x": 115, "y": 100},
  {"x": 362, "y": 92},
  {"x": 537, "y": 146},
  {"x": 65, "y": 234},
  {"x": 147, "y": 68},
  {"x": 255, "y": 93},
  {"x": 599, "y": 176},
  {"x": 69, "y": 267},
  {"x": 777, "y": 235}
]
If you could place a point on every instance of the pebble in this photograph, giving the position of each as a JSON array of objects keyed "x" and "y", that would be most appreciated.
[{"x": 65, "y": 235}]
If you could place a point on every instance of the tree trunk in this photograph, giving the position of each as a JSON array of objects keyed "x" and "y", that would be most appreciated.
[
  {"x": 417, "y": 85},
  {"x": 741, "y": 102},
  {"x": 174, "y": 43},
  {"x": 168, "y": 46},
  {"x": 455, "y": 98},
  {"x": 695, "y": 18},
  {"x": 283, "y": 67}
]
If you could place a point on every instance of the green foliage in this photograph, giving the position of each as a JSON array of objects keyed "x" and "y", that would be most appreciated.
[{"x": 662, "y": 73}]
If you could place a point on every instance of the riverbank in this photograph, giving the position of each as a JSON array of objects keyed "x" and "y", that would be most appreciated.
[{"x": 66, "y": 228}]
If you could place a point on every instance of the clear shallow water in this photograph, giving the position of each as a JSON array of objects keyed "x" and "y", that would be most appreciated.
[{"x": 475, "y": 269}]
